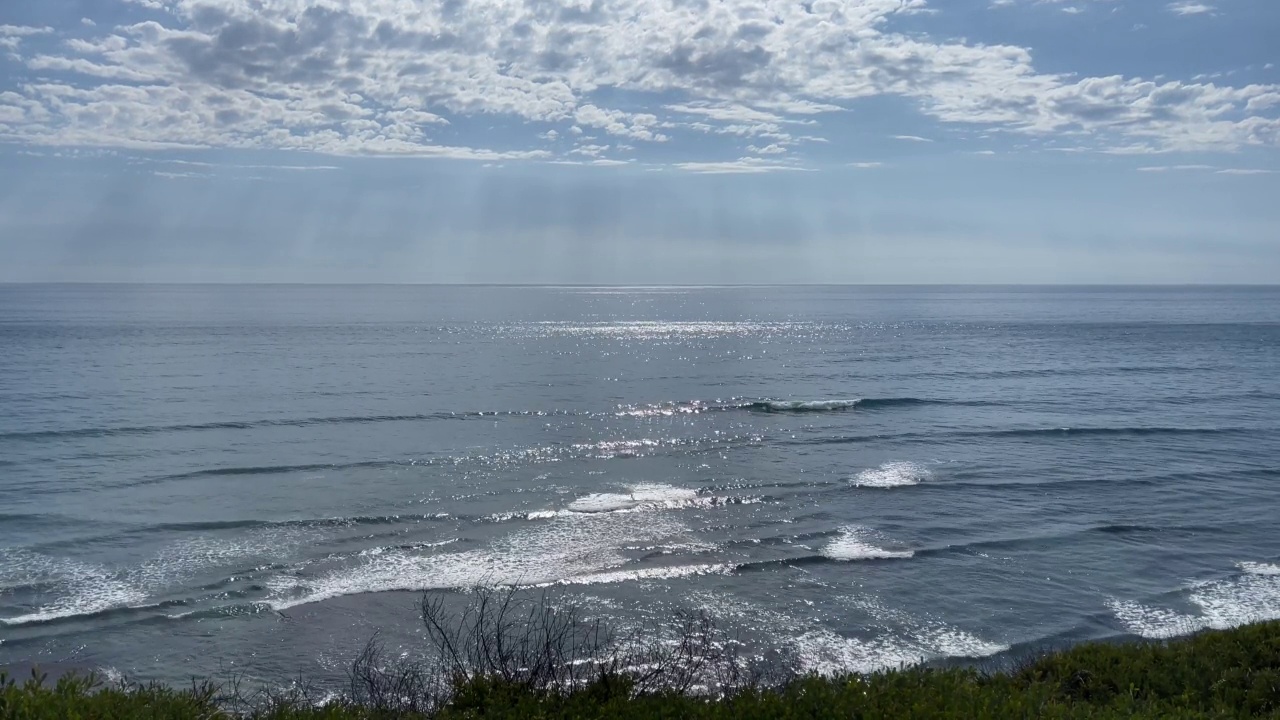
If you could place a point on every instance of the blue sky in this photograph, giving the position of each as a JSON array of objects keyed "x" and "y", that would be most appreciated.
[{"x": 640, "y": 141}]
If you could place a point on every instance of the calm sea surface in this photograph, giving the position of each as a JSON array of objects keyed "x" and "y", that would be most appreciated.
[{"x": 195, "y": 479}]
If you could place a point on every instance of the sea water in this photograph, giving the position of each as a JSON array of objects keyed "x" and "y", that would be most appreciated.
[{"x": 202, "y": 479}]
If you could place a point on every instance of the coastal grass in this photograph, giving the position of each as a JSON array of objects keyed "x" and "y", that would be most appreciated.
[{"x": 507, "y": 657}]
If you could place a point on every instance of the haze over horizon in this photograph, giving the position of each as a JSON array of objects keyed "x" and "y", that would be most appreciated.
[{"x": 639, "y": 142}]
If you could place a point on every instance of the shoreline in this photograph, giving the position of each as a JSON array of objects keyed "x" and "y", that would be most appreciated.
[{"x": 1212, "y": 673}]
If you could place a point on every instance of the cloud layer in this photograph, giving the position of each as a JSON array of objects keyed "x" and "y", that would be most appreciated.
[{"x": 574, "y": 80}]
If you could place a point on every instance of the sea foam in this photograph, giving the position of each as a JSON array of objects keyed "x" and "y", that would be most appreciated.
[
  {"x": 799, "y": 406},
  {"x": 892, "y": 474},
  {"x": 80, "y": 588},
  {"x": 84, "y": 589},
  {"x": 821, "y": 650},
  {"x": 857, "y": 543},
  {"x": 648, "y": 496},
  {"x": 1253, "y": 596},
  {"x": 570, "y": 549}
]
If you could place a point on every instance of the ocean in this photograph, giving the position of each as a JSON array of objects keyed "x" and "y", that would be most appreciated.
[{"x": 197, "y": 480}]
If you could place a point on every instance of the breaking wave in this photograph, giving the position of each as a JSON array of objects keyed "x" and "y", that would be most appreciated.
[
  {"x": 569, "y": 549},
  {"x": 900, "y": 638},
  {"x": 892, "y": 474},
  {"x": 1250, "y": 597},
  {"x": 81, "y": 589},
  {"x": 644, "y": 496},
  {"x": 857, "y": 543}
]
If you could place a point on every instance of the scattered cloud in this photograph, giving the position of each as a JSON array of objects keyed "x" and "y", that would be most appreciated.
[
  {"x": 742, "y": 165},
  {"x": 1189, "y": 7},
  {"x": 1245, "y": 171},
  {"x": 1206, "y": 168},
  {"x": 866, "y": 165},
  {"x": 289, "y": 168},
  {"x": 23, "y": 30},
  {"x": 384, "y": 77},
  {"x": 1167, "y": 168}
]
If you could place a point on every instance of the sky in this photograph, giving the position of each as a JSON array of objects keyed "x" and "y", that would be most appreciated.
[{"x": 640, "y": 141}]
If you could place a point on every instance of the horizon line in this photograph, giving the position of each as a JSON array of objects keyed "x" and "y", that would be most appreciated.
[{"x": 638, "y": 286}]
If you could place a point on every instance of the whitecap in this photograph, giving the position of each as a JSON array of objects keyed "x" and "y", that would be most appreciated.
[
  {"x": 1256, "y": 568},
  {"x": 823, "y": 651},
  {"x": 892, "y": 474},
  {"x": 804, "y": 405},
  {"x": 653, "y": 573},
  {"x": 646, "y": 496},
  {"x": 1220, "y": 604},
  {"x": 86, "y": 589},
  {"x": 1152, "y": 622},
  {"x": 566, "y": 547},
  {"x": 855, "y": 543}
]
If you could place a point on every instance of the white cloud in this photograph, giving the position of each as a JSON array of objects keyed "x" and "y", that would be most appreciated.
[
  {"x": 224, "y": 166},
  {"x": 732, "y": 167},
  {"x": 389, "y": 76},
  {"x": 638, "y": 126},
  {"x": 23, "y": 30},
  {"x": 1206, "y": 168},
  {"x": 866, "y": 165},
  {"x": 1190, "y": 7},
  {"x": 589, "y": 150},
  {"x": 1167, "y": 168}
]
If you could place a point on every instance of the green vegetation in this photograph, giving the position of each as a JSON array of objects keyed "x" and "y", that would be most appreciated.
[{"x": 514, "y": 655}]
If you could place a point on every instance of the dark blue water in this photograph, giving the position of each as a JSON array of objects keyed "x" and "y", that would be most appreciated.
[{"x": 202, "y": 479}]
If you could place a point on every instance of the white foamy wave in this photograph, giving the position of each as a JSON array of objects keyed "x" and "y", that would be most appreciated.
[
  {"x": 655, "y": 573},
  {"x": 567, "y": 547},
  {"x": 80, "y": 588},
  {"x": 893, "y": 474},
  {"x": 1221, "y": 605},
  {"x": 953, "y": 642},
  {"x": 381, "y": 549},
  {"x": 1255, "y": 568},
  {"x": 804, "y": 405},
  {"x": 543, "y": 514},
  {"x": 188, "y": 557},
  {"x": 1152, "y": 622},
  {"x": 926, "y": 636},
  {"x": 84, "y": 589},
  {"x": 520, "y": 515},
  {"x": 825, "y": 652},
  {"x": 646, "y": 496},
  {"x": 857, "y": 543}
]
